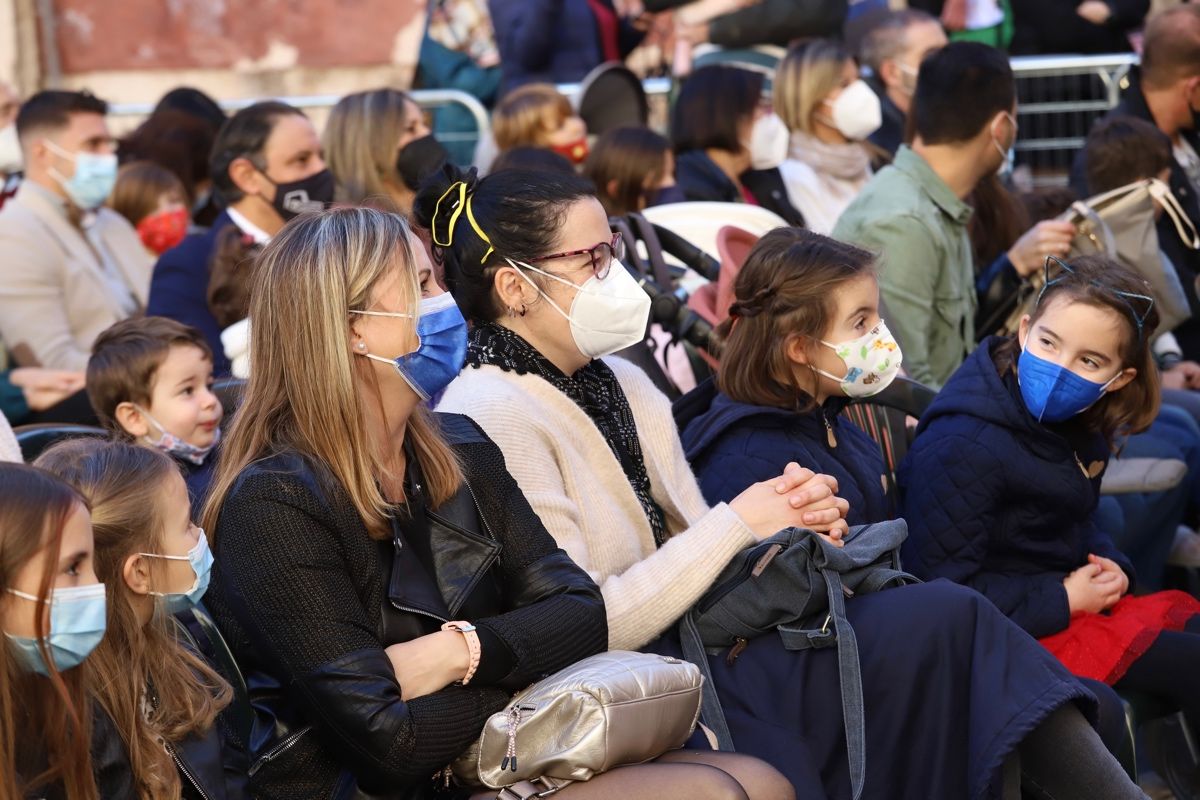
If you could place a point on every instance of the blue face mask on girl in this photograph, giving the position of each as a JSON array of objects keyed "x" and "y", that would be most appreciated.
[
  {"x": 439, "y": 358},
  {"x": 1053, "y": 393},
  {"x": 77, "y": 623},
  {"x": 200, "y": 558}
]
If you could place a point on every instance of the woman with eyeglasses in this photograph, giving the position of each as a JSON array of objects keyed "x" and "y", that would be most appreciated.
[
  {"x": 381, "y": 580},
  {"x": 1001, "y": 485},
  {"x": 592, "y": 444}
]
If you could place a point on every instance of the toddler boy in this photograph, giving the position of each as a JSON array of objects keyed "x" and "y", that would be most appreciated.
[{"x": 150, "y": 381}]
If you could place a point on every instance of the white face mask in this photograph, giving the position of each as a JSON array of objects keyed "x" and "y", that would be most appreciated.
[
  {"x": 606, "y": 315},
  {"x": 768, "y": 142},
  {"x": 11, "y": 159},
  {"x": 856, "y": 112},
  {"x": 1010, "y": 155},
  {"x": 872, "y": 362}
]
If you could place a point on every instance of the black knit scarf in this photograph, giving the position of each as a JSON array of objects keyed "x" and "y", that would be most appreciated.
[{"x": 596, "y": 391}]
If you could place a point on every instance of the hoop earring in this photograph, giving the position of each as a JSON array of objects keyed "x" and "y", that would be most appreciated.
[{"x": 523, "y": 310}]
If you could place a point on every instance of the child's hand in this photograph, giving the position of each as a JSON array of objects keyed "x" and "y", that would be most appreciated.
[
  {"x": 1085, "y": 594},
  {"x": 796, "y": 499},
  {"x": 1110, "y": 572}
]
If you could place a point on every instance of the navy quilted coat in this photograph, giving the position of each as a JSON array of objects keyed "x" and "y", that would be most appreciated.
[
  {"x": 731, "y": 445},
  {"x": 998, "y": 501},
  {"x": 950, "y": 686}
]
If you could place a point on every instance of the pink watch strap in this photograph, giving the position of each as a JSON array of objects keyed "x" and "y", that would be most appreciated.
[{"x": 473, "y": 648}]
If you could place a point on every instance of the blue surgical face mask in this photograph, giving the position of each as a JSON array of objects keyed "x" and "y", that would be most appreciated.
[
  {"x": 94, "y": 178},
  {"x": 439, "y": 358},
  {"x": 1053, "y": 393},
  {"x": 77, "y": 621},
  {"x": 200, "y": 558}
]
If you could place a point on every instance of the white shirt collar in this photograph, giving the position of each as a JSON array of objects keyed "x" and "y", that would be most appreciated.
[{"x": 247, "y": 227}]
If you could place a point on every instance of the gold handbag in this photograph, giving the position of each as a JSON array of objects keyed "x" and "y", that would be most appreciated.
[{"x": 606, "y": 711}]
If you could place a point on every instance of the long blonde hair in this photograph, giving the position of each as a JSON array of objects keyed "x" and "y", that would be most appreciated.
[
  {"x": 303, "y": 394},
  {"x": 807, "y": 74},
  {"x": 125, "y": 483},
  {"x": 360, "y": 144}
]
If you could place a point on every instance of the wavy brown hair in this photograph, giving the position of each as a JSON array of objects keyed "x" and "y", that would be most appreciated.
[
  {"x": 304, "y": 390},
  {"x": 125, "y": 484},
  {"x": 45, "y": 722},
  {"x": 1095, "y": 281},
  {"x": 783, "y": 291}
]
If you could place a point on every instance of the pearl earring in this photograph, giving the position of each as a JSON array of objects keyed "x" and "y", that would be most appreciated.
[{"x": 361, "y": 346}]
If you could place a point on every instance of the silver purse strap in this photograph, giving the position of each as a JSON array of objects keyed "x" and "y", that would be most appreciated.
[{"x": 529, "y": 790}]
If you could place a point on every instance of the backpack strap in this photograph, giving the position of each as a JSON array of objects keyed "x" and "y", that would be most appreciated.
[
  {"x": 849, "y": 670},
  {"x": 710, "y": 703},
  {"x": 850, "y": 675}
]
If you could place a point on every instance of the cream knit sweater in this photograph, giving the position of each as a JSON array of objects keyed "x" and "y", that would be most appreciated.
[
  {"x": 9, "y": 449},
  {"x": 575, "y": 484}
]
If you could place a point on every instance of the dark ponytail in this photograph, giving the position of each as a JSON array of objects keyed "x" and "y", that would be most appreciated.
[{"x": 519, "y": 214}]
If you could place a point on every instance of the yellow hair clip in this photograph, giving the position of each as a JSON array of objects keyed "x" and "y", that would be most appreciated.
[
  {"x": 458, "y": 209},
  {"x": 463, "y": 202},
  {"x": 479, "y": 232}
]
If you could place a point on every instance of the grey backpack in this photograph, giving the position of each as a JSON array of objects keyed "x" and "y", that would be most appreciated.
[{"x": 796, "y": 583}]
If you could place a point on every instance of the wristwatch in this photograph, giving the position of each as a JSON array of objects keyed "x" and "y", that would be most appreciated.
[{"x": 468, "y": 632}]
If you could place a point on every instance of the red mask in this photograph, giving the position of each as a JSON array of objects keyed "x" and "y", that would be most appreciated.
[
  {"x": 576, "y": 152},
  {"x": 162, "y": 230}
]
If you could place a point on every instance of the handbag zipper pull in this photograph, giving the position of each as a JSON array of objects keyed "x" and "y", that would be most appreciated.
[
  {"x": 514, "y": 719},
  {"x": 739, "y": 644}
]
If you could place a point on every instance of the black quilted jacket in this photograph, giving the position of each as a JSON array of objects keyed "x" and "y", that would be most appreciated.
[
  {"x": 303, "y": 597},
  {"x": 995, "y": 499}
]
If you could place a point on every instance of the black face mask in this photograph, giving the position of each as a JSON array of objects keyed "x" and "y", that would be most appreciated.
[
  {"x": 419, "y": 159},
  {"x": 313, "y": 193}
]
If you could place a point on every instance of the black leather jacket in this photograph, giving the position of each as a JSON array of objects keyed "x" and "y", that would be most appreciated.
[{"x": 308, "y": 602}]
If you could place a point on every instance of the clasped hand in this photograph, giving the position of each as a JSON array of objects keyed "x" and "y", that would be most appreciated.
[
  {"x": 1096, "y": 586},
  {"x": 799, "y": 498}
]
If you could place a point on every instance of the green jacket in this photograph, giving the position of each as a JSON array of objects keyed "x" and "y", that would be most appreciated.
[{"x": 918, "y": 226}]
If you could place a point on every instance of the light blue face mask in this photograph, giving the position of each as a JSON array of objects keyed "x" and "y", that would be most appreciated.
[
  {"x": 77, "y": 622},
  {"x": 200, "y": 558},
  {"x": 94, "y": 178},
  {"x": 442, "y": 352}
]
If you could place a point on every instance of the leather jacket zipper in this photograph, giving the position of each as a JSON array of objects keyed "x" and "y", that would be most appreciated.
[
  {"x": 278, "y": 750},
  {"x": 411, "y": 610},
  {"x": 479, "y": 513},
  {"x": 187, "y": 773}
]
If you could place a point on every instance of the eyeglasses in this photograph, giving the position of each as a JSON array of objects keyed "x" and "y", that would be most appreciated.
[
  {"x": 1139, "y": 305},
  {"x": 602, "y": 255}
]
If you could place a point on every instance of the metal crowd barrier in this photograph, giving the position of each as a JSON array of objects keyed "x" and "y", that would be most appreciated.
[{"x": 1059, "y": 97}]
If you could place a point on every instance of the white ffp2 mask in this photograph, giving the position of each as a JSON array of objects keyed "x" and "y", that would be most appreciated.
[{"x": 606, "y": 315}]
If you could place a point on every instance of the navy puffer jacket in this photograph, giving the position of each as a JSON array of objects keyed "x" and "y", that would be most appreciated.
[{"x": 998, "y": 501}]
